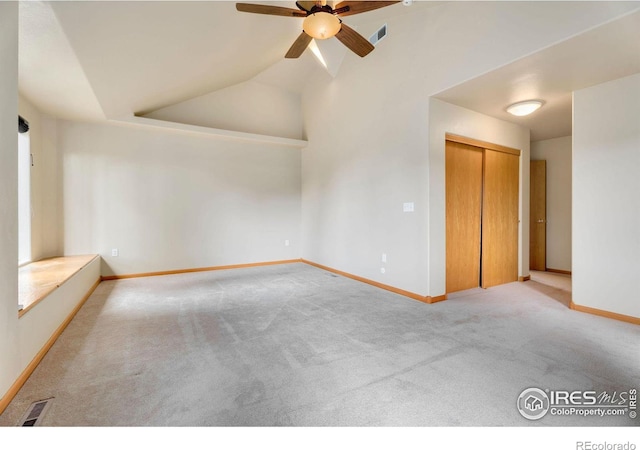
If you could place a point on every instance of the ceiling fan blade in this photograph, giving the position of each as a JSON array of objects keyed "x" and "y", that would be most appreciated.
[
  {"x": 270, "y": 10},
  {"x": 357, "y": 7},
  {"x": 299, "y": 46},
  {"x": 354, "y": 41}
]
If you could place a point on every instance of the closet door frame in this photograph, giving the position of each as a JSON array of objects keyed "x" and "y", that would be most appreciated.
[{"x": 483, "y": 145}]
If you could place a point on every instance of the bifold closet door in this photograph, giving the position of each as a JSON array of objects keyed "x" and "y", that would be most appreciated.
[
  {"x": 463, "y": 175},
  {"x": 500, "y": 218}
]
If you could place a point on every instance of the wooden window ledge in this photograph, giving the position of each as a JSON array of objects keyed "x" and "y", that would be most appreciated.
[{"x": 38, "y": 279}]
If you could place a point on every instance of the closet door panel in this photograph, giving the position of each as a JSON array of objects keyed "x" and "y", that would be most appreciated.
[
  {"x": 463, "y": 169},
  {"x": 500, "y": 218}
]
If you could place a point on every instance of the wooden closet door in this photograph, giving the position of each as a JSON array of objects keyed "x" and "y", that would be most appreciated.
[
  {"x": 463, "y": 172},
  {"x": 538, "y": 216},
  {"x": 500, "y": 218}
]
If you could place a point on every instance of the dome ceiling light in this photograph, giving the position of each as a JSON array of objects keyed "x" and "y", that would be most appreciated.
[{"x": 524, "y": 108}]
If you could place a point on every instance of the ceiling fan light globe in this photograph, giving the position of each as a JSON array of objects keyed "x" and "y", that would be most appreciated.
[{"x": 321, "y": 25}]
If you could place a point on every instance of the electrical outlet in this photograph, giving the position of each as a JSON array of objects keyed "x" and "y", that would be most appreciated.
[
  {"x": 114, "y": 252},
  {"x": 384, "y": 257},
  {"x": 408, "y": 207}
]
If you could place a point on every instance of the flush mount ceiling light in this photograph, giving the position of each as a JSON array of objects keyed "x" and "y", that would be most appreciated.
[{"x": 524, "y": 108}]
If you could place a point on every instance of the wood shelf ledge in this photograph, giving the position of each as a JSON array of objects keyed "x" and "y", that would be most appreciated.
[{"x": 38, "y": 279}]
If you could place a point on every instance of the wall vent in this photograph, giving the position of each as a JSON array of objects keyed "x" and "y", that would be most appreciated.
[
  {"x": 35, "y": 413},
  {"x": 378, "y": 35}
]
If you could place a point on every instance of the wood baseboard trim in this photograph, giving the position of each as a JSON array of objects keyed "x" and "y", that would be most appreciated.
[
  {"x": 527, "y": 278},
  {"x": 563, "y": 272},
  {"x": 26, "y": 373},
  {"x": 603, "y": 313},
  {"x": 436, "y": 299},
  {"x": 199, "y": 269},
  {"x": 386, "y": 287}
]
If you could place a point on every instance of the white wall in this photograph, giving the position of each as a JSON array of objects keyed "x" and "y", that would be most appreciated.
[
  {"x": 446, "y": 118},
  {"x": 46, "y": 201},
  {"x": 368, "y": 130},
  {"x": 606, "y": 183},
  {"x": 22, "y": 338},
  {"x": 9, "y": 350},
  {"x": 249, "y": 107},
  {"x": 355, "y": 181},
  {"x": 557, "y": 154},
  {"x": 170, "y": 200}
]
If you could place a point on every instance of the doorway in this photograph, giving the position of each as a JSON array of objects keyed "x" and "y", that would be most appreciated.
[{"x": 482, "y": 206}]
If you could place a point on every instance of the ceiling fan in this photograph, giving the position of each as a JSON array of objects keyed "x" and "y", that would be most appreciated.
[{"x": 321, "y": 21}]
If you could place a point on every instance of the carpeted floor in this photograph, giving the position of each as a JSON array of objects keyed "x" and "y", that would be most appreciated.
[{"x": 293, "y": 345}]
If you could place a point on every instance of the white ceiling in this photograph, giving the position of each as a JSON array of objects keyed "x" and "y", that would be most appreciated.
[
  {"x": 93, "y": 60},
  {"x": 109, "y": 59},
  {"x": 599, "y": 55},
  {"x": 50, "y": 75}
]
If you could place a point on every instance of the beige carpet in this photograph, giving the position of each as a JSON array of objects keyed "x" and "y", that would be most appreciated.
[{"x": 294, "y": 345}]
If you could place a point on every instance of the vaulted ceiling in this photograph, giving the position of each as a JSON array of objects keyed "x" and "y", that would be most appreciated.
[
  {"x": 81, "y": 59},
  {"x": 96, "y": 60}
]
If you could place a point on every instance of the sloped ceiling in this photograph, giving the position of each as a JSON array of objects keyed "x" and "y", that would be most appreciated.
[
  {"x": 50, "y": 75},
  {"x": 96, "y": 60},
  {"x": 109, "y": 59},
  {"x": 141, "y": 56}
]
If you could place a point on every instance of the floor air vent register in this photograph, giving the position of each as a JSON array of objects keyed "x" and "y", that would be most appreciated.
[{"x": 35, "y": 413}]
